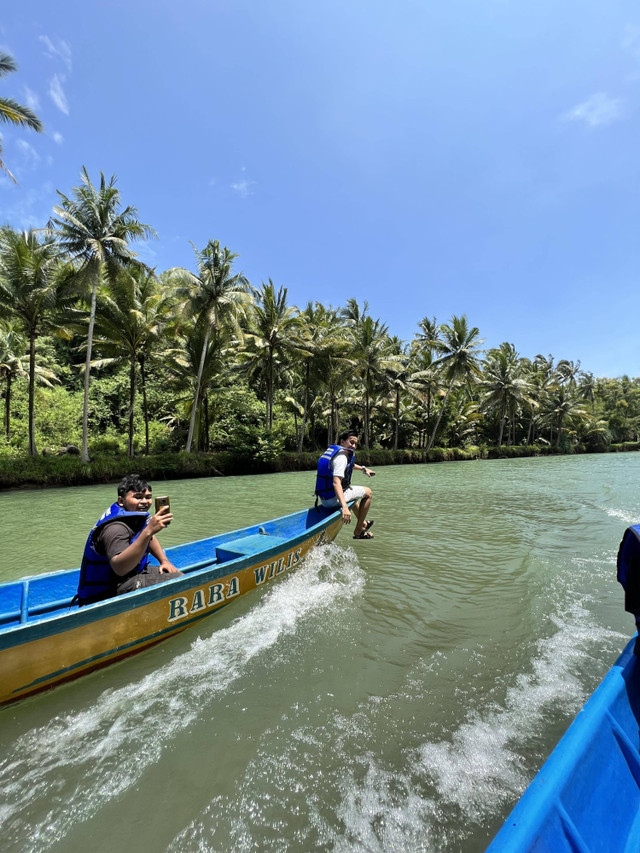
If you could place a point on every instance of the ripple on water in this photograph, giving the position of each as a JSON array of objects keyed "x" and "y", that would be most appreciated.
[{"x": 62, "y": 773}]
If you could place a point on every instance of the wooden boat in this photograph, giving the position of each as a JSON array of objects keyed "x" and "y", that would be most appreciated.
[
  {"x": 586, "y": 797},
  {"x": 46, "y": 639}
]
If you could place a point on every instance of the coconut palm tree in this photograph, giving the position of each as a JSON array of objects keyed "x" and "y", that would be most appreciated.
[
  {"x": 11, "y": 112},
  {"x": 196, "y": 363},
  {"x": 94, "y": 231},
  {"x": 372, "y": 355},
  {"x": 318, "y": 343},
  {"x": 458, "y": 359},
  {"x": 502, "y": 385},
  {"x": 402, "y": 380},
  {"x": 12, "y": 347},
  {"x": 563, "y": 406},
  {"x": 31, "y": 291},
  {"x": 213, "y": 297},
  {"x": 271, "y": 336},
  {"x": 134, "y": 312}
]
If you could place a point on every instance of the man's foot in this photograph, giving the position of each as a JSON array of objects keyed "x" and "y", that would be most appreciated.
[
  {"x": 369, "y": 524},
  {"x": 363, "y": 535}
]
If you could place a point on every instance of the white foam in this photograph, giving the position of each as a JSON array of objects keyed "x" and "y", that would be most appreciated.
[
  {"x": 80, "y": 761},
  {"x": 427, "y": 797},
  {"x": 624, "y": 515}
]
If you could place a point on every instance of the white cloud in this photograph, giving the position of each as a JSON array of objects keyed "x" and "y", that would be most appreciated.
[
  {"x": 31, "y": 99},
  {"x": 58, "y": 137},
  {"x": 28, "y": 209},
  {"x": 30, "y": 157},
  {"x": 59, "y": 50},
  {"x": 597, "y": 111},
  {"x": 243, "y": 186},
  {"x": 57, "y": 94}
]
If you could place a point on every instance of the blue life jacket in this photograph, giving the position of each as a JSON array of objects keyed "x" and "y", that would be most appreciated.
[
  {"x": 324, "y": 478},
  {"x": 629, "y": 568},
  {"x": 97, "y": 578}
]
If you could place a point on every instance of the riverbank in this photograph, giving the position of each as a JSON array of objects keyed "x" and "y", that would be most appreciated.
[{"x": 67, "y": 470}]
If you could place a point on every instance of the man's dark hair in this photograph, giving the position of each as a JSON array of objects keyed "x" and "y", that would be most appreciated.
[
  {"x": 347, "y": 434},
  {"x": 132, "y": 483}
]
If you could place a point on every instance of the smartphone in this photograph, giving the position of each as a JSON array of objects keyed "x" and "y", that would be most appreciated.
[{"x": 162, "y": 500}]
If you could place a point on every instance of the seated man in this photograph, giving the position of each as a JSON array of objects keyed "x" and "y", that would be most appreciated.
[
  {"x": 116, "y": 555},
  {"x": 333, "y": 483}
]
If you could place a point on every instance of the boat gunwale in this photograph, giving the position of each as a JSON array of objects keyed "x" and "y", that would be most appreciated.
[
  {"x": 56, "y": 622},
  {"x": 525, "y": 823}
]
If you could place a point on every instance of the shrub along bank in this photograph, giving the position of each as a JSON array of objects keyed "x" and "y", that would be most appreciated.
[{"x": 56, "y": 471}]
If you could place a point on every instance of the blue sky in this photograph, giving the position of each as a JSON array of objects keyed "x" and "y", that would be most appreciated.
[{"x": 433, "y": 158}]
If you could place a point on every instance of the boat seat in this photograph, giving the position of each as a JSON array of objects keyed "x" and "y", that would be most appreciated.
[{"x": 247, "y": 545}]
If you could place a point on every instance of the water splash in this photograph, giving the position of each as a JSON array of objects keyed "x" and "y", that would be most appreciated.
[
  {"x": 65, "y": 771},
  {"x": 425, "y": 798}
]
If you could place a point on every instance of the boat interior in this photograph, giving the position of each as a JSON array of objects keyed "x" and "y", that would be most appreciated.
[{"x": 37, "y": 596}]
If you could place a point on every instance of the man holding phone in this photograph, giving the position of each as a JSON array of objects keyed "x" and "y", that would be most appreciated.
[{"x": 117, "y": 551}]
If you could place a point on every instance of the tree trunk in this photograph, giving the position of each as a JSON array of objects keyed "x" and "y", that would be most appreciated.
[
  {"x": 440, "y": 413},
  {"x": 132, "y": 403},
  {"x": 306, "y": 403},
  {"x": 366, "y": 413},
  {"x": 270, "y": 392},
  {"x": 87, "y": 368},
  {"x": 32, "y": 383},
  {"x": 192, "y": 421},
  {"x": 205, "y": 403},
  {"x": 502, "y": 417},
  {"x": 145, "y": 411},
  {"x": 7, "y": 407},
  {"x": 397, "y": 429}
]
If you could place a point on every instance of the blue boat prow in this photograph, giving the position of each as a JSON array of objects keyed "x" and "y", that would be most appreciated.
[{"x": 586, "y": 797}]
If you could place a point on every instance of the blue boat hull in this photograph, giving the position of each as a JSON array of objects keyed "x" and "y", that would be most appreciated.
[{"x": 586, "y": 797}]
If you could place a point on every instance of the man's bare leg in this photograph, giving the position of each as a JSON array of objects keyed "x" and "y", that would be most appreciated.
[{"x": 361, "y": 511}]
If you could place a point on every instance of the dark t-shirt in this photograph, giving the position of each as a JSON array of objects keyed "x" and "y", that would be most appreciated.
[{"x": 113, "y": 538}]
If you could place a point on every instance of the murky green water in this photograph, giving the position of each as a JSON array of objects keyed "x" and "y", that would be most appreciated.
[{"x": 388, "y": 695}]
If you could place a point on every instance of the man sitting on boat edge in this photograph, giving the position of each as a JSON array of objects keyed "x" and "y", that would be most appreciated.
[
  {"x": 116, "y": 554},
  {"x": 333, "y": 482}
]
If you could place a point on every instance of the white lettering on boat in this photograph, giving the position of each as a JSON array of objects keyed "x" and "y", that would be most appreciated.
[
  {"x": 198, "y": 601},
  {"x": 202, "y": 599},
  {"x": 276, "y": 567}
]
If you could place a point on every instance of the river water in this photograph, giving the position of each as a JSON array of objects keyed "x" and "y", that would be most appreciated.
[{"x": 389, "y": 695}]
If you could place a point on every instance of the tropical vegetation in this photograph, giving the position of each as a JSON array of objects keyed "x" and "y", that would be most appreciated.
[{"x": 201, "y": 361}]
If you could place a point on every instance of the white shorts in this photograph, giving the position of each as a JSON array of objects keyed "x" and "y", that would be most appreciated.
[{"x": 353, "y": 493}]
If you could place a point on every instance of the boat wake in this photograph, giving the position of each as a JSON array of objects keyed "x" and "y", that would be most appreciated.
[
  {"x": 62, "y": 773},
  {"x": 623, "y": 515},
  {"x": 420, "y": 796}
]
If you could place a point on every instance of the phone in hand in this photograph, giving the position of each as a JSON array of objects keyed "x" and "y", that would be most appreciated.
[{"x": 163, "y": 500}]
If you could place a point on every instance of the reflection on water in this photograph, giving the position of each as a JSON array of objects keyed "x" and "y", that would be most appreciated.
[{"x": 389, "y": 695}]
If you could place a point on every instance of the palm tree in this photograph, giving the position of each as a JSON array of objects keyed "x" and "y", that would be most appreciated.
[
  {"x": 196, "y": 362},
  {"x": 504, "y": 387},
  {"x": 11, "y": 112},
  {"x": 213, "y": 297},
  {"x": 270, "y": 337},
  {"x": 402, "y": 378},
  {"x": 318, "y": 342},
  {"x": 587, "y": 388},
  {"x": 11, "y": 365},
  {"x": 458, "y": 360},
  {"x": 30, "y": 291},
  {"x": 372, "y": 355},
  {"x": 563, "y": 406},
  {"x": 134, "y": 312},
  {"x": 93, "y": 230}
]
